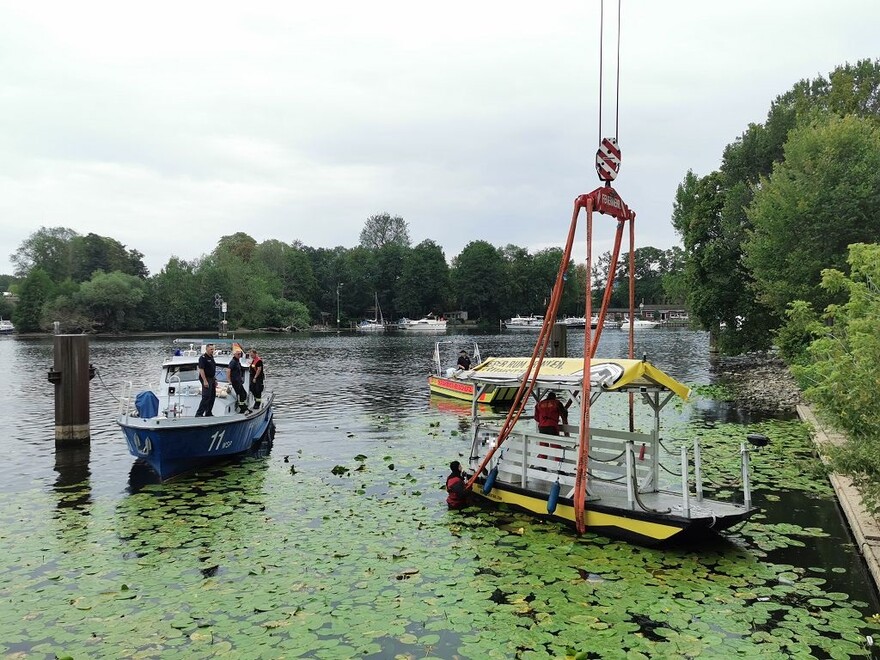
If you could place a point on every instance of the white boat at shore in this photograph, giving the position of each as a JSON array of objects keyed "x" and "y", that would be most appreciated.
[
  {"x": 639, "y": 324},
  {"x": 427, "y": 325},
  {"x": 529, "y": 323},
  {"x": 376, "y": 325},
  {"x": 6, "y": 327}
]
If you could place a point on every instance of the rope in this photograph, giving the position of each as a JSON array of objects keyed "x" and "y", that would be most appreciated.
[
  {"x": 530, "y": 376},
  {"x": 101, "y": 378}
]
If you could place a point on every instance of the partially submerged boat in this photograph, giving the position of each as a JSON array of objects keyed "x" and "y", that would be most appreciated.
[
  {"x": 608, "y": 478},
  {"x": 628, "y": 493},
  {"x": 160, "y": 426},
  {"x": 454, "y": 382}
]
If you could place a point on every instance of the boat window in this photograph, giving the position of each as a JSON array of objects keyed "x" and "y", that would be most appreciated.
[{"x": 185, "y": 372}]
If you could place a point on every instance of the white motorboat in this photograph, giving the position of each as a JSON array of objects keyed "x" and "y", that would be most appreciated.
[
  {"x": 162, "y": 430},
  {"x": 529, "y": 323},
  {"x": 6, "y": 327},
  {"x": 426, "y": 325},
  {"x": 639, "y": 324}
]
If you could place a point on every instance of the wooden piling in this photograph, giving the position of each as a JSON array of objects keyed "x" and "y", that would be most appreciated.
[
  {"x": 70, "y": 375},
  {"x": 559, "y": 340}
]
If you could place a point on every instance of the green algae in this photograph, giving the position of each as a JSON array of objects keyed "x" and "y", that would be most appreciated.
[{"x": 254, "y": 561}]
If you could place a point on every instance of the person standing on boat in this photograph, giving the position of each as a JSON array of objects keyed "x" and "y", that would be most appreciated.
[
  {"x": 235, "y": 375},
  {"x": 455, "y": 486},
  {"x": 257, "y": 377},
  {"x": 207, "y": 373},
  {"x": 547, "y": 414},
  {"x": 464, "y": 361}
]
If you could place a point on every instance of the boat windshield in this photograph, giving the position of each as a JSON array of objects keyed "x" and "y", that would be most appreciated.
[{"x": 188, "y": 373}]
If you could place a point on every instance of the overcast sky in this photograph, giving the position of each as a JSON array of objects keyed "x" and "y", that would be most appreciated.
[{"x": 166, "y": 125}]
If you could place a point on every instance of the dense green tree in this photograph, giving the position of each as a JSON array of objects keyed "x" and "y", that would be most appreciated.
[
  {"x": 545, "y": 267},
  {"x": 476, "y": 274},
  {"x": 839, "y": 370},
  {"x": 111, "y": 297},
  {"x": 7, "y": 282},
  {"x": 291, "y": 266},
  {"x": 48, "y": 249},
  {"x": 384, "y": 229},
  {"x": 330, "y": 271},
  {"x": 34, "y": 292},
  {"x": 823, "y": 197},
  {"x": 389, "y": 267},
  {"x": 721, "y": 287},
  {"x": 91, "y": 253},
  {"x": 6, "y": 308},
  {"x": 174, "y": 297},
  {"x": 424, "y": 280},
  {"x": 515, "y": 288},
  {"x": 675, "y": 289},
  {"x": 239, "y": 244}
]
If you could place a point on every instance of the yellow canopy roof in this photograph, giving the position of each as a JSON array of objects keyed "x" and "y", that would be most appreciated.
[{"x": 608, "y": 374}]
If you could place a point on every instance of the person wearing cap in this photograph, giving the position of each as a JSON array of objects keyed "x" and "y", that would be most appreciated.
[
  {"x": 464, "y": 362},
  {"x": 257, "y": 377},
  {"x": 235, "y": 375}
]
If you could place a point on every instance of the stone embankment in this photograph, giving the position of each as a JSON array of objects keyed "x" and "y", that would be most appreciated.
[{"x": 760, "y": 381}]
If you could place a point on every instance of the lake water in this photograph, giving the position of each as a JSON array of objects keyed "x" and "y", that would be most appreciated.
[{"x": 278, "y": 556}]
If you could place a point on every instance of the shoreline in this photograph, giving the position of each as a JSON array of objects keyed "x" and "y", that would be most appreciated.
[
  {"x": 863, "y": 526},
  {"x": 762, "y": 381}
]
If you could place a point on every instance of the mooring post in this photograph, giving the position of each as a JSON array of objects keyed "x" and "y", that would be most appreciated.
[
  {"x": 71, "y": 374},
  {"x": 559, "y": 340}
]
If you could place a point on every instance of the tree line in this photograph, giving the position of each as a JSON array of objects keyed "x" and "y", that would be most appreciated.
[
  {"x": 95, "y": 284},
  {"x": 781, "y": 248}
]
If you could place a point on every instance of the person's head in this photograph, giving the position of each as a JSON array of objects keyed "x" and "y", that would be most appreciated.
[
  {"x": 551, "y": 395},
  {"x": 209, "y": 349},
  {"x": 455, "y": 467},
  {"x": 237, "y": 352},
  {"x": 253, "y": 353}
]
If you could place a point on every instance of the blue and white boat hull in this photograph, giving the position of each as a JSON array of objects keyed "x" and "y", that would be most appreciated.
[{"x": 174, "y": 445}]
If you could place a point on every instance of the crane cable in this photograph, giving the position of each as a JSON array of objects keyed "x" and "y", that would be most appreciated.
[{"x": 602, "y": 69}]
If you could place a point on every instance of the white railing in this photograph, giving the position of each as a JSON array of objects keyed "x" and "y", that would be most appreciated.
[{"x": 631, "y": 460}]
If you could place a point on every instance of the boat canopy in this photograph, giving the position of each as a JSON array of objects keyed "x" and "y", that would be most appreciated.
[{"x": 567, "y": 373}]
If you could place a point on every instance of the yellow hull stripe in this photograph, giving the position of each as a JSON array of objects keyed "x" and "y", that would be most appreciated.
[{"x": 644, "y": 528}]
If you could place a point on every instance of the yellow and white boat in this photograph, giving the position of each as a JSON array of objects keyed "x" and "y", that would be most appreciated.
[
  {"x": 629, "y": 493},
  {"x": 455, "y": 383}
]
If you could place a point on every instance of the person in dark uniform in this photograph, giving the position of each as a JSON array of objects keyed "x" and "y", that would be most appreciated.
[
  {"x": 464, "y": 362},
  {"x": 257, "y": 377},
  {"x": 207, "y": 373},
  {"x": 455, "y": 486},
  {"x": 235, "y": 375}
]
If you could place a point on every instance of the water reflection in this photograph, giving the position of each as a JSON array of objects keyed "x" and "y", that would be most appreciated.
[{"x": 72, "y": 484}]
